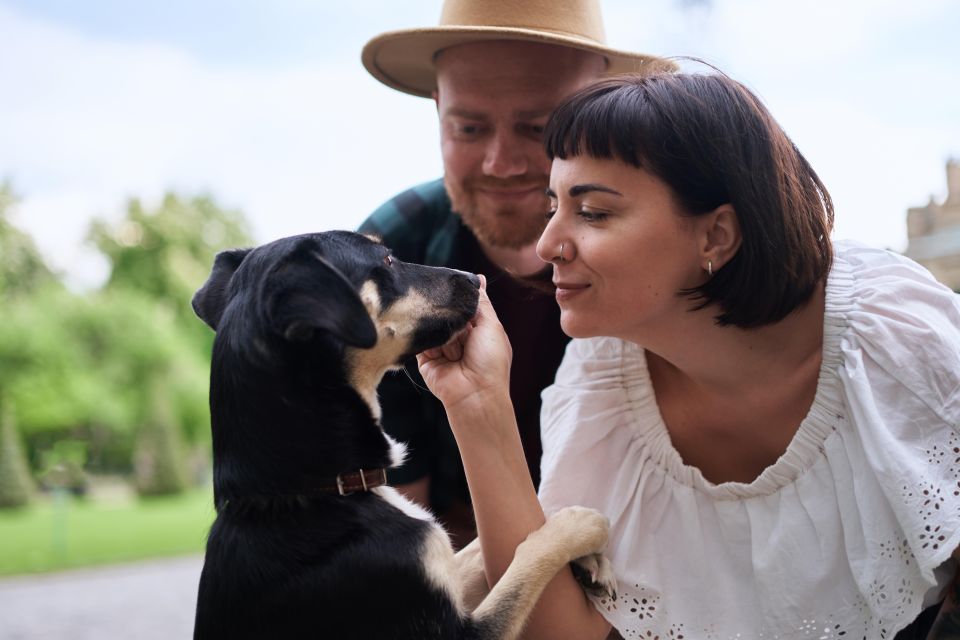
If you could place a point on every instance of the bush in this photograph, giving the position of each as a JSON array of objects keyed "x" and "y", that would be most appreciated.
[{"x": 62, "y": 466}]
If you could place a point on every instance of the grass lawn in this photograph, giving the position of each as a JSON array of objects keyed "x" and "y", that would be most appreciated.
[{"x": 58, "y": 534}]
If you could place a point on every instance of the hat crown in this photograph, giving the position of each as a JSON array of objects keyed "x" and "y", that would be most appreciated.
[{"x": 574, "y": 18}]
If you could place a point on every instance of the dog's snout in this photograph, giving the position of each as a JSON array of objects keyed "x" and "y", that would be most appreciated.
[{"x": 471, "y": 278}]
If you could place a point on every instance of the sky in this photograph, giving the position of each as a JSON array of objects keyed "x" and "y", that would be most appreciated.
[{"x": 266, "y": 107}]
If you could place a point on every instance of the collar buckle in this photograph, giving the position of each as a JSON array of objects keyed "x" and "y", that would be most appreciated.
[{"x": 344, "y": 490}]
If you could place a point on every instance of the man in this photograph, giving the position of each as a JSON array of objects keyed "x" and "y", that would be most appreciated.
[{"x": 495, "y": 69}]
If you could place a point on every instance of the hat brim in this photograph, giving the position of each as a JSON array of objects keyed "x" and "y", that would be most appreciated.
[{"x": 404, "y": 60}]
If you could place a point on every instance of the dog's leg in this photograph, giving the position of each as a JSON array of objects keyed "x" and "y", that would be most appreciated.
[
  {"x": 471, "y": 575},
  {"x": 570, "y": 533},
  {"x": 594, "y": 573}
]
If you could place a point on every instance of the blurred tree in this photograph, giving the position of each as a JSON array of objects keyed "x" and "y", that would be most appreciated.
[
  {"x": 80, "y": 367},
  {"x": 167, "y": 253},
  {"x": 159, "y": 462},
  {"x": 22, "y": 267},
  {"x": 16, "y": 483},
  {"x": 82, "y": 373}
]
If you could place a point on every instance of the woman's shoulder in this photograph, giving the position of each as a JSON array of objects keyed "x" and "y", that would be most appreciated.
[
  {"x": 900, "y": 328},
  {"x": 888, "y": 281}
]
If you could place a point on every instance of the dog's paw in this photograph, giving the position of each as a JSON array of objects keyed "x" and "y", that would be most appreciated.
[
  {"x": 581, "y": 531},
  {"x": 595, "y": 574}
]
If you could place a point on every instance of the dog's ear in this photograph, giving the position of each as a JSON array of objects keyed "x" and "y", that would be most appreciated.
[
  {"x": 211, "y": 299},
  {"x": 316, "y": 296}
]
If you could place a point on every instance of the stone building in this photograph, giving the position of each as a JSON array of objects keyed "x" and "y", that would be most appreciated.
[{"x": 934, "y": 232}]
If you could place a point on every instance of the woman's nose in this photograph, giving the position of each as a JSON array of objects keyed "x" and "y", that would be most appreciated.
[{"x": 551, "y": 245}]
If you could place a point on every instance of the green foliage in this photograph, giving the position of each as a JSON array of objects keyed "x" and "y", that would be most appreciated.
[
  {"x": 167, "y": 253},
  {"x": 62, "y": 466},
  {"x": 159, "y": 458},
  {"x": 22, "y": 268},
  {"x": 79, "y": 370},
  {"x": 80, "y": 367},
  {"x": 16, "y": 485}
]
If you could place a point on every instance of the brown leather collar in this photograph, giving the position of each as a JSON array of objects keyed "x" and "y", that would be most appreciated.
[
  {"x": 344, "y": 484},
  {"x": 359, "y": 480}
]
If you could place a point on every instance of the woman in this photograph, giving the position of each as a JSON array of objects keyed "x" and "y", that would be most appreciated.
[{"x": 770, "y": 421}]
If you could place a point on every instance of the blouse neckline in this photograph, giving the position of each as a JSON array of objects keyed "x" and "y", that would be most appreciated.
[{"x": 806, "y": 446}]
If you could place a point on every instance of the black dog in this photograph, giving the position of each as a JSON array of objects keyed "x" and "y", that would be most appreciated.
[{"x": 307, "y": 541}]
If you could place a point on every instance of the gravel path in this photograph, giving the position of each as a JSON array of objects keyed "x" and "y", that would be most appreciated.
[{"x": 144, "y": 601}]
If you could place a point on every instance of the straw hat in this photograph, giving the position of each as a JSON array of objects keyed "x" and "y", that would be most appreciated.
[{"x": 404, "y": 59}]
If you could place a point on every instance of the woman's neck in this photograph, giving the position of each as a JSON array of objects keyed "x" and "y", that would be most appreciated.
[{"x": 730, "y": 360}]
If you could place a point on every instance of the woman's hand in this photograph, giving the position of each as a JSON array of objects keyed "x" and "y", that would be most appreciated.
[{"x": 474, "y": 367}]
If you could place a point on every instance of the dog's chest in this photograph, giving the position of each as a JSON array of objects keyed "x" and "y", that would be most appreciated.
[{"x": 439, "y": 564}]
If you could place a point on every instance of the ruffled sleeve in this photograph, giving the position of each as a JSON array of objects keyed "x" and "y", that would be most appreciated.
[
  {"x": 901, "y": 381},
  {"x": 586, "y": 428}
]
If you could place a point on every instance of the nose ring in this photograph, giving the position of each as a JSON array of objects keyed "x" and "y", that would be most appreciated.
[{"x": 560, "y": 257}]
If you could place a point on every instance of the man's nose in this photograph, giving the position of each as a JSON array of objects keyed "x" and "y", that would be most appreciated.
[{"x": 504, "y": 157}]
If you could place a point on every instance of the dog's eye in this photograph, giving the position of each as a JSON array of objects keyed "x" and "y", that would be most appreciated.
[{"x": 388, "y": 260}]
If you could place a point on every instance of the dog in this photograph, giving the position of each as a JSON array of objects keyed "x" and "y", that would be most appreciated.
[{"x": 309, "y": 540}]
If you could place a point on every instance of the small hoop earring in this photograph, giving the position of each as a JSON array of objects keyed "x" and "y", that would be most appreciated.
[{"x": 710, "y": 267}]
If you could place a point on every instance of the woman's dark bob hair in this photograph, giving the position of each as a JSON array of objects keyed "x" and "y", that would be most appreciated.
[{"x": 713, "y": 143}]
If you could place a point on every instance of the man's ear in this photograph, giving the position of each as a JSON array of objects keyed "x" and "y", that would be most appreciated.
[
  {"x": 211, "y": 299},
  {"x": 312, "y": 295},
  {"x": 721, "y": 236}
]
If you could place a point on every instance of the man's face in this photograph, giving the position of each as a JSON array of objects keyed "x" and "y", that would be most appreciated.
[{"x": 493, "y": 99}]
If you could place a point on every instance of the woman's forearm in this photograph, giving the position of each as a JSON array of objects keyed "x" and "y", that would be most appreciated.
[{"x": 507, "y": 511}]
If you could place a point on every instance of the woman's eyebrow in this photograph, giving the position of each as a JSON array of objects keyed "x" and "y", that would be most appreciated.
[{"x": 580, "y": 189}]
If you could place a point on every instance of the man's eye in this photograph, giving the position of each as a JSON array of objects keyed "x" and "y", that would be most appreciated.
[
  {"x": 467, "y": 130},
  {"x": 388, "y": 260}
]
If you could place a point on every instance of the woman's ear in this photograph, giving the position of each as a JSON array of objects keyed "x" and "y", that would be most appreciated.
[{"x": 721, "y": 237}]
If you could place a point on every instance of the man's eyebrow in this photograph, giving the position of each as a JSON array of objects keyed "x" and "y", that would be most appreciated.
[
  {"x": 460, "y": 112},
  {"x": 580, "y": 189},
  {"x": 533, "y": 114}
]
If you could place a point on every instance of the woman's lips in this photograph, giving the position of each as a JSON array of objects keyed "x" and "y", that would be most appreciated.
[{"x": 568, "y": 290}]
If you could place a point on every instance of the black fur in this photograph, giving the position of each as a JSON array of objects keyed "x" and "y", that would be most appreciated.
[{"x": 283, "y": 560}]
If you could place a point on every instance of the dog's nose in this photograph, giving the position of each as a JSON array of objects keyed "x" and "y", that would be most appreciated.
[{"x": 472, "y": 278}]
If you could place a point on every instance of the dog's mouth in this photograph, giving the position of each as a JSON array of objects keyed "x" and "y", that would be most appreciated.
[{"x": 436, "y": 332}]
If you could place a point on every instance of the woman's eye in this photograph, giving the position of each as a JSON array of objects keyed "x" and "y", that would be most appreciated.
[{"x": 592, "y": 216}]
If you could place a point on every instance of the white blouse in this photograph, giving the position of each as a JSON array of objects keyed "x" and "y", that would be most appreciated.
[{"x": 846, "y": 535}]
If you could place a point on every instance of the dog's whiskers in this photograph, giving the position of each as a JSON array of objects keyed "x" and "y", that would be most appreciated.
[{"x": 406, "y": 372}]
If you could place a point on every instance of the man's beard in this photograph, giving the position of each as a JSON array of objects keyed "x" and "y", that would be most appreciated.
[{"x": 507, "y": 227}]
